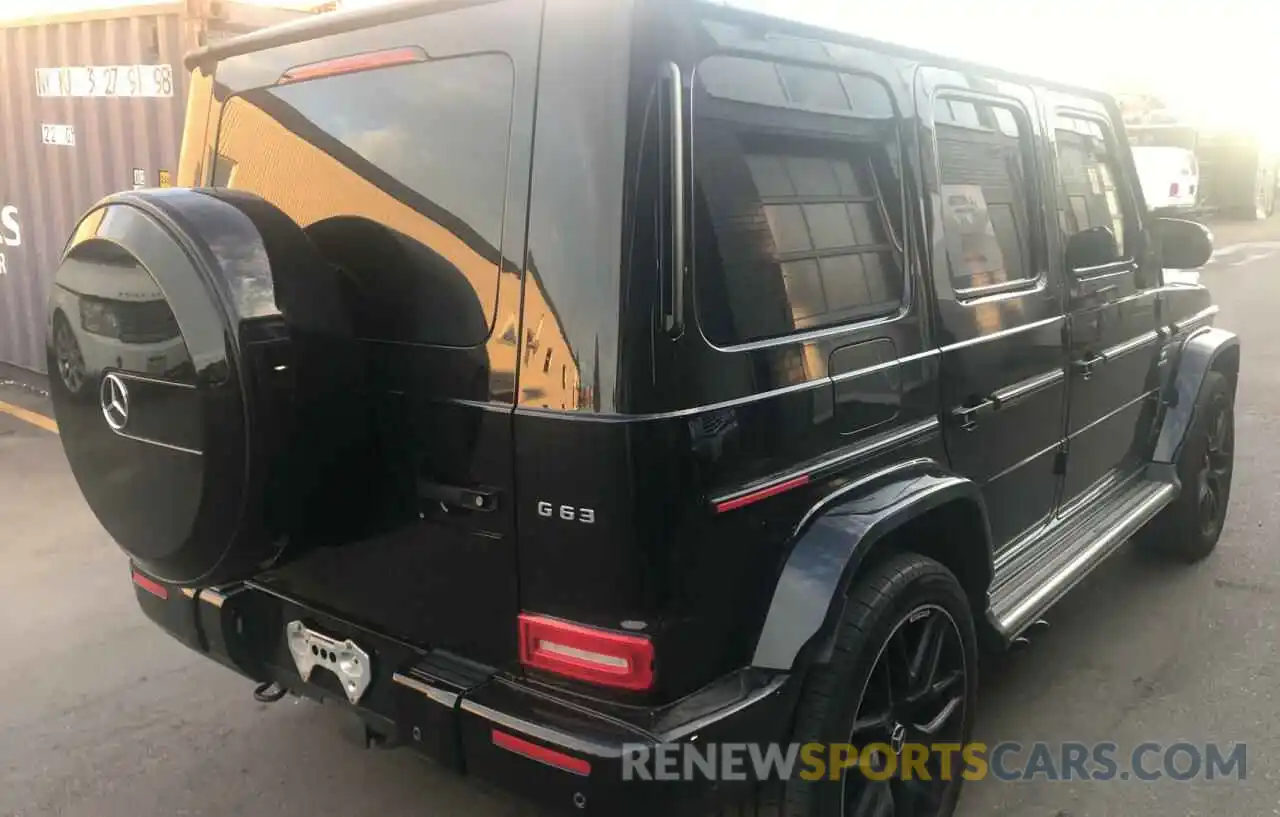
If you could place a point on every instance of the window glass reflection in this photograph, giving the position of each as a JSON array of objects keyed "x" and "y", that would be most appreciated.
[
  {"x": 399, "y": 175},
  {"x": 1089, "y": 196},
  {"x": 798, "y": 199},
  {"x": 985, "y": 192}
]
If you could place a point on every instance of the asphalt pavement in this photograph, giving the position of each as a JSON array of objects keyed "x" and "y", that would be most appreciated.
[{"x": 102, "y": 715}]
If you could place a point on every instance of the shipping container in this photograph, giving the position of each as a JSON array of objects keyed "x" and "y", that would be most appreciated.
[{"x": 90, "y": 104}]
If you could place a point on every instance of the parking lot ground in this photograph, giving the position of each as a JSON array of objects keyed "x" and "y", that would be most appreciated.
[
  {"x": 24, "y": 403},
  {"x": 1227, "y": 232},
  {"x": 103, "y": 715}
]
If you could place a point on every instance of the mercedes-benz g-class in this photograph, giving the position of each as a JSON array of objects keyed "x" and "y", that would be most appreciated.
[{"x": 564, "y": 376}]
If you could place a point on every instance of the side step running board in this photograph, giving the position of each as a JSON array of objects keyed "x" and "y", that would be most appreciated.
[{"x": 1047, "y": 569}]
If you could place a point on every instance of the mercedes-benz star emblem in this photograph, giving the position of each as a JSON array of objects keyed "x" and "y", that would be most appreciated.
[
  {"x": 898, "y": 738},
  {"x": 115, "y": 401}
]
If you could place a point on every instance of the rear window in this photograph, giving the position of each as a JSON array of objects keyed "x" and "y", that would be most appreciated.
[
  {"x": 798, "y": 206},
  {"x": 399, "y": 175}
]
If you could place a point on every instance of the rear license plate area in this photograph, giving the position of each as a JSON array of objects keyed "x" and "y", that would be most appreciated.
[
  {"x": 344, "y": 658},
  {"x": 286, "y": 629}
]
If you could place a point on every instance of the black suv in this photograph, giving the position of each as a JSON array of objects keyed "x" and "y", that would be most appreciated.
[{"x": 561, "y": 376}]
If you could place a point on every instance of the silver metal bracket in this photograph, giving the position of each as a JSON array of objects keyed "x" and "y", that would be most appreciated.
[{"x": 344, "y": 659}]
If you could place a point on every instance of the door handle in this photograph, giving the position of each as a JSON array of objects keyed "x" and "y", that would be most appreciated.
[
  {"x": 453, "y": 496},
  {"x": 1087, "y": 366},
  {"x": 967, "y": 416}
]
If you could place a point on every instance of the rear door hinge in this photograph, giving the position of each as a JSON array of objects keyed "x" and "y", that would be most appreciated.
[{"x": 1060, "y": 461}]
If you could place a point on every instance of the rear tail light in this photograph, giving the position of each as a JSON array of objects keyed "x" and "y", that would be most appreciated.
[
  {"x": 587, "y": 654},
  {"x": 1173, "y": 189},
  {"x": 152, "y": 586}
]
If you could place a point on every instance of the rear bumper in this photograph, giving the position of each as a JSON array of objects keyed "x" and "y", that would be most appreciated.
[
  {"x": 1179, "y": 204},
  {"x": 480, "y": 723}
]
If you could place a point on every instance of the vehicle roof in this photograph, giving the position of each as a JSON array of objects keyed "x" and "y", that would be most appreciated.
[
  {"x": 725, "y": 9},
  {"x": 321, "y": 25},
  {"x": 346, "y": 20}
]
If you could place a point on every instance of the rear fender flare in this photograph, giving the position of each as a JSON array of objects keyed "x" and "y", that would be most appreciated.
[
  {"x": 1207, "y": 350},
  {"x": 833, "y": 540}
]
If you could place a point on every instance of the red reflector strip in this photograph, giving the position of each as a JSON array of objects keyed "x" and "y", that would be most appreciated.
[
  {"x": 353, "y": 63},
  {"x": 761, "y": 493},
  {"x": 542, "y": 754},
  {"x": 150, "y": 585},
  {"x": 586, "y": 653}
]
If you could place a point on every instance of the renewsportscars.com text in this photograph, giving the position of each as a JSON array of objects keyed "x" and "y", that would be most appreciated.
[{"x": 1007, "y": 761}]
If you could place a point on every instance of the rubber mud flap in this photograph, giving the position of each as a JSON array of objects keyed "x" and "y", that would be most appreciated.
[{"x": 206, "y": 384}]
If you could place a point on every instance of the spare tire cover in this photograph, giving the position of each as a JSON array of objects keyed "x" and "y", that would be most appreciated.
[{"x": 173, "y": 379}]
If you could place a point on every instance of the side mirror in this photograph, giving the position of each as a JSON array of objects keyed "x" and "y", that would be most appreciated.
[
  {"x": 1183, "y": 244},
  {"x": 1092, "y": 247}
]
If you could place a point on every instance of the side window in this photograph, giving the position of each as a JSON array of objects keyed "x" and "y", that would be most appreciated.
[
  {"x": 987, "y": 189},
  {"x": 399, "y": 175},
  {"x": 798, "y": 203},
  {"x": 1090, "y": 195}
]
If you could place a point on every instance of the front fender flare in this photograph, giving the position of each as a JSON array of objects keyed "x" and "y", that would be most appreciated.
[
  {"x": 1198, "y": 356},
  {"x": 833, "y": 540}
]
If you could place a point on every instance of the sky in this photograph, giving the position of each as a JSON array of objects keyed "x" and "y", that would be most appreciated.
[{"x": 1212, "y": 59}]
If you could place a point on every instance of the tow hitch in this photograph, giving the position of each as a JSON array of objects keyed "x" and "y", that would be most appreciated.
[{"x": 269, "y": 692}]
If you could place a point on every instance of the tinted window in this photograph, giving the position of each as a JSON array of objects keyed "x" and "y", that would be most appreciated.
[
  {"x": 798, "y": 199},
  {"x": 986, "y": 192},
  {"x": 1089, "y": 194},
  {"x": 399, "y": 175}
]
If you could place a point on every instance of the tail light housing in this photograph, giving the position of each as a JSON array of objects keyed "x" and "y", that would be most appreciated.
[
  {"x": 589, "y": 654},
  {"x": 1173, "y": 189}
]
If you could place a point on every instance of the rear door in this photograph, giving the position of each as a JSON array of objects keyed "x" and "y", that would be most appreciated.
[
  {"x": 403, "y": 149},
  {"x": 1001, "y": 323},
  {"x": 1112, "y": 296}
]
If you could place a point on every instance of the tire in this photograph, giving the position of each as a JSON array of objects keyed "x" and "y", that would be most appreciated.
[
  {"x": 891, "y": 614},
  {"x": 1189, "y": 528},
  {"x": 68, "y": 357}
]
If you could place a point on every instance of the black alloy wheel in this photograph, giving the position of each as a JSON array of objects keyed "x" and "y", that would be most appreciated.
[
  {"x": 914, "y": 696},
  {"x": 1213, "y": 480},
  {"x": 1188, "y": 529},
  {"x": 900, "y": 679}
]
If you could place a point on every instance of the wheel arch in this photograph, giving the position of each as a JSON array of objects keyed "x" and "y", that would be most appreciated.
[
  {"x": 916, "y": 506},
  {"x": 1207, "y": 350}
]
